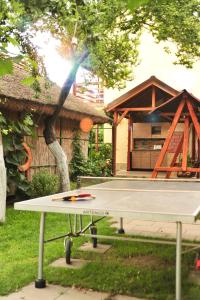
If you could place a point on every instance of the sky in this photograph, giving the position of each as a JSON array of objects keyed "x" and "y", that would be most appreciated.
[
  {"x": 155, "y": 61},
  {"x": 57, "y": 67}
]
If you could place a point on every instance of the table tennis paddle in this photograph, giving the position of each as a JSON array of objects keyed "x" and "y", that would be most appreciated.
[
  {"x": 76, "y": 197},
  {"x": 79, "y": 197}
]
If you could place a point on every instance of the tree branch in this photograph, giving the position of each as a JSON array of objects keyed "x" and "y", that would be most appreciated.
[{"x": 49, "y": 131}]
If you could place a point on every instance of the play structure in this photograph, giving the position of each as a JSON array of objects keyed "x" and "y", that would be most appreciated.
[{"x": 183, "y": 108}]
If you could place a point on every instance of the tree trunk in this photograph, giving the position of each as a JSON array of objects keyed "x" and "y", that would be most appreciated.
[
  {"x": 49, "y": 129},
  {"x": 2, "y": 184},
  {"x": 62, "y": 164}
]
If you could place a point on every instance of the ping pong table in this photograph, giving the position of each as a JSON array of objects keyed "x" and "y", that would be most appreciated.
[{"x": 176, "y": 201}]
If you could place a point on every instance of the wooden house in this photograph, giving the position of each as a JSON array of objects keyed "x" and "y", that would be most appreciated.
[
  {"x": 138, "y": 135},
  {"x": 16, "y": 99}
]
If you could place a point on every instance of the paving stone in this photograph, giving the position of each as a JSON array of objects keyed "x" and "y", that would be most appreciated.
[
  {"x": 55, "y": 292},
  {"x": 14, "y": 296},
  {"x": 101, "y": 248},
  {"x": 75, "y": 263},
  {"x": 76, "y": 294},
  {"x": 158, "y": 229},
  {"x": 194, "y": 277},
  {"x": 121, "y": 297},
  {"x": 51, "y": 292}
]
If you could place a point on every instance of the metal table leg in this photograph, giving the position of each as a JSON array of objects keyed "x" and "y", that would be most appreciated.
[
  {"x": 178, "y": 259},
  {"x": 40, "y": 282},
  {"x": 121, "y": 227}
]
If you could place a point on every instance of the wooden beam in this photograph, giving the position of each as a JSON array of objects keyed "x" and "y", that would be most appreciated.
[
  {"x": 153, "y": 97},
  {"x": 185, "y": 143},
  {"x": 168, "y": 169},
  {"x": 115, "y": 117},
  {"x": 194, "y": 118},
  {"x": 193, "y": 143},
  {"x": 122, "y": 116},
  {"x": 114, "y": 142},
  {"x": 149, "y": 108},
  {"x": 168, "y": 139},
  {"x": 178, "y": 150},
  {"x": 170, "y": 114},
  {"x": 193, "y": 169},
  {"x": 177, "y": 169}
]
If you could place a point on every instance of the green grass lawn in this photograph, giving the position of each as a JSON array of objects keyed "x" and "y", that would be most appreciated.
[{"x": 137, "y": 269}]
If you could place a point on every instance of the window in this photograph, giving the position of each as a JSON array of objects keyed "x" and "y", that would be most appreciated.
[{"x": 155, "y": 130}]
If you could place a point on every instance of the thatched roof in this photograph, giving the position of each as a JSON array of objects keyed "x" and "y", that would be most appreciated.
[{"x": 16, "y": 96}]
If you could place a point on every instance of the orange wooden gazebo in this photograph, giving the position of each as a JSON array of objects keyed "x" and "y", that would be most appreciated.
[
  {"x": 183, "y": 108},
  {"x": 135, "y": 105}
]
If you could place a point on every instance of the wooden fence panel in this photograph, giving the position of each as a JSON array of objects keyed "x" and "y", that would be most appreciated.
[{"x": 42, "y": 156}]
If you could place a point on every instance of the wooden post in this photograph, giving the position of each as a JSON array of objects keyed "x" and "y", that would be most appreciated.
[
  {"x": 185, "y": 143},
  {"x": 168, "y": 139},
  {"x": 178, "y": 150},
  {"x": 114, "y": 142},
  {"x": 193, "y": 143},
  {"x": 196, "y": 126},
  {"x": 153, "y": 99},
  {"x": 194, "y": 118},
  {"x": 129, "y": 143},
  {"x": 3, "y": 183}
]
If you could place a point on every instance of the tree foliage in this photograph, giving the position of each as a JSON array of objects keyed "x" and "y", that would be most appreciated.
[
  {"x": 176, "y": 21},
  {"x": 102, "y": 35},
  {"x": 109, "y": 30}
]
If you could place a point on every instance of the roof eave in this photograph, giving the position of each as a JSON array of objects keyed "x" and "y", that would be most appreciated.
[
  {"x": 139, "y": 88},
  {"x": 48, "y": 109},
  {"x": 182, "y": 93}
]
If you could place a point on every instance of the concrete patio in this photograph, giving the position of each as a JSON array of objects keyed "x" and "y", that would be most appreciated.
[
  {"x": 55, "y": 292},
  {"x": 159, "y": 229}
]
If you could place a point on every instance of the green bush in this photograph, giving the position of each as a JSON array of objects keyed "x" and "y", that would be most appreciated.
[
  {"x": 100, "y": 162},
  {"x": 78, "y": 163},
  {"x": 44, "y": 184}
]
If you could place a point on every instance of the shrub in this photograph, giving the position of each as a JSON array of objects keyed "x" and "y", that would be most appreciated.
[
  {"x": 78, "y": 162},
  {"x": 101, "y": 162},
  {"x": 44, "y": 184},
  {"x": 98, "y": 164}
]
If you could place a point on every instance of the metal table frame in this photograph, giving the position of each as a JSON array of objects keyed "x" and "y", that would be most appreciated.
[{"x": 41, "y": 283}]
